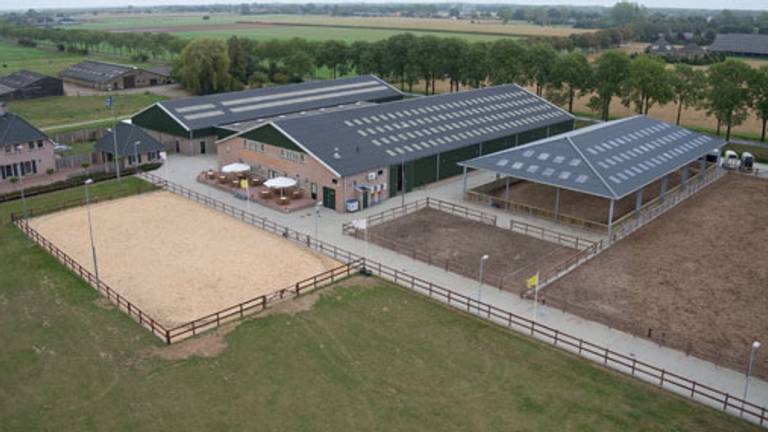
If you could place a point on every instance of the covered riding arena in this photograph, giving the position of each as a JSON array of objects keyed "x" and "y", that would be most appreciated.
[{"x": 596, "y": 177}]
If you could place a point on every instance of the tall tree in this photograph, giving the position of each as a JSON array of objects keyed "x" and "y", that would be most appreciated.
[
  {"x": 476, "y": 64},
  {"x": 238, "y": 59},
  {"x": 453, "y": 52},
  {"x": 758, "y": 87},
  {"x": 335, "y": 55},
  {"x": 648, "y": 83},
  {"x": 689, "y": 86},
  {"x": 610, "y": 73},
  {"x": 204, "y": 67},
  {"x": 571, "y": 75},
  {"x": 505, "y": 61},
  {"x": 728, "y": 97},
  {"x": 538, "y": 63}
]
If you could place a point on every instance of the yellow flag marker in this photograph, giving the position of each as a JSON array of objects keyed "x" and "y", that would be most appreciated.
[{"x": 533, "y": 280}]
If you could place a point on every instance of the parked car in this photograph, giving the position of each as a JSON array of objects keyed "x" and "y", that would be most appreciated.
[
  {"x": 747, "y": 162},
  {"x": 731, "y": 160}
]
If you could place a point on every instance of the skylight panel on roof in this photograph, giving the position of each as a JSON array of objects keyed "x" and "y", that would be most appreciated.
[
  {"x": 564, "y": 175},
  {"x": 204, "y": 115},
  {"x": 362, "y": 132},
  {"x": 548, "y": 172},
  {"x": 558, "y": 159},
  {"x": 581, "y": 178},
  {"x": 543, "y": 156},
  {"x": 532, "y": 168},
  {"x": 528, "y": 153},
  {"x": 192, "y": 108},
  {"x": 574, "y": 162},
  {"x": 376, "y": 142},
  {"x": 391, "y": 153},
  {"x": 517, "y": 165},
  {"x": 349, "y": 123},
  {"x": 502, "y": 162}
]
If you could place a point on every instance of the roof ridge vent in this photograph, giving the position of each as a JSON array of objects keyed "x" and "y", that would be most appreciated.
[{"x": 336, "y": 154}]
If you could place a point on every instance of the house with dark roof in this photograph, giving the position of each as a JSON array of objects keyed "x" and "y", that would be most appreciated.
[
  {"x": 28, "y": 85},
  {"x": 741, "y": 44},
  {"x": 369, "y": 153},
  {"x": 192, "y": 125},
  {"x": 111, "y": 76},
  {"x": 133, "y": 145},
  {"x": 661, "y": 47},
  {"x": 24, "y": 149}
]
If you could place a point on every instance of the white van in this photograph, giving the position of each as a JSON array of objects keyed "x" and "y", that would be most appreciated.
[{"x": 731, "y": 160}]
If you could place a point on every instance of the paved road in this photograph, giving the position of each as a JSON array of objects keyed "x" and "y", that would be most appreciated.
[{"x": 183, "y": 169}]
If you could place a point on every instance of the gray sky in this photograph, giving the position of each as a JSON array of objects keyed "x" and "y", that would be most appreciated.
[{"x": 699, "y": 4}]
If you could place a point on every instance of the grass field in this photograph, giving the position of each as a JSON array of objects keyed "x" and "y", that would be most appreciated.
[
  {"x": 320, "y": 33},
  {"x": 46, "y": 61},
  {"x": 462, "y": 28},
  {"x": 365, "y": 356},
  {"x": 62, "y": 110}
]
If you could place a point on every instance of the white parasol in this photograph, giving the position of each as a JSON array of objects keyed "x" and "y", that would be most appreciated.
[
  {"x": 235, "y": 168},
  {"x": 280, "y": 183}
]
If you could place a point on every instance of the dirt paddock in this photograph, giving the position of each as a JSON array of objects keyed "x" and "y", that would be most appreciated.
[
  {"x": 178, "y": 260},
  {"x": 581, "y": 205},
  {"x": 461, "y": 242},
  {"x": 695, "y": 279}
]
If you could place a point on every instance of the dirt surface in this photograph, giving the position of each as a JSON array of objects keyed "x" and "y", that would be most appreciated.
[
  {"x": 584, "y": 206},
  {"x": 459, "y": 243},
  {"x": 177, "y": 260},
  {"x": 695, "y": 279}
]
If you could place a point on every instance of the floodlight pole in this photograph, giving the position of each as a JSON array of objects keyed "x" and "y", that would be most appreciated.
[
  {"x": 755, "y": 347},
  {"x": 21, "y": 183},
  {"x": 114, "y": 134},
  {"x": 90, "y": 231},
  {"x": 483, "y": 259}
]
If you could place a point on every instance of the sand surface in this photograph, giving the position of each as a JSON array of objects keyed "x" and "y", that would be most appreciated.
[{"x": 178, "y": 260}]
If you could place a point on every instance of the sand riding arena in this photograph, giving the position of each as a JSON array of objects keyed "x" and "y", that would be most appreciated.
[{"x": 177, "y": 260}]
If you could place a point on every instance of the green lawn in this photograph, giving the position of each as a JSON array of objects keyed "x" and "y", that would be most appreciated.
[
  {"x": 47, "y": 61},
  {"x": 324, "y": 33},
  {"x": 367, "y": 356},
  {"x": 148, "y": 20},
  {"x": 61, "y": 110}
]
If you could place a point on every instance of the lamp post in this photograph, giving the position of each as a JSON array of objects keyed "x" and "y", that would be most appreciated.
[
  {"x": 483, "y": 259},
  {"x": 19, "y": 148},
  {"x": 317, "y": 218},
  {"x": 90, "y": 231},
  {"x": 114, "y": 132},
  {"x": 755, "y": 346}
]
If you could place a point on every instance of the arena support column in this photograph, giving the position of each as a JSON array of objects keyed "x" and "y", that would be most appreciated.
[
  {"x": 506, "y": 194},
  {"x": 557, "y": 203},
  {"x": 684, "y": 178},
  {"x": 702, "y": 167},
  {"x": 663, "y": 191},
  {"x": 610, "y": 220},
  {"x": 464, "y": 186}
]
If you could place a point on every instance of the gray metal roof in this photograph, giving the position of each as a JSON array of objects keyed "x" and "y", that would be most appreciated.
[
  {"x": 226, "y": 108},
  {"x": 18, "y": 80},
  {"x": 610, "y": 160},
  {"x": 249, "y": 125},
  {"x": 127, "y": 135},
  {"x": 741, "y": 43},
  {"x": 16, "y": 130},
  {"x": 93, "y": 71},
  {"x": 352, "y": 141}
]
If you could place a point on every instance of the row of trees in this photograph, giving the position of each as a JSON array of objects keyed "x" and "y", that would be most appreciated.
[
  {"x": 155, "y": 45},
  {"x": 727, "y": 90}
]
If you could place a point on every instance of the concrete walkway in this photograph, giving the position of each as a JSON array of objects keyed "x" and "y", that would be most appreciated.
[{"x": 183, "y": 169}]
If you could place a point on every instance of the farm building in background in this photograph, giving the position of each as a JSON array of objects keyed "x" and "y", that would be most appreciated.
[
  {"x": 29, "y": 85},
  {"x": 744, "y": 44},
  {"x": 372, "y": 152},
  {"x": 24, "y": 150},
  {"x": 112, "y": 76},
  {"x": 192, "y": 125}
]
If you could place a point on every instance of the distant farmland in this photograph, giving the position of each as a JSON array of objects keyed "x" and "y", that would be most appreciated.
[{"x": 316, "y": 27}]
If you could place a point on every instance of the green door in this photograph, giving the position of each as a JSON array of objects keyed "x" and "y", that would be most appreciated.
[
  {"x": 329, "y": 198},
  {"x": 365, "y": 199}
]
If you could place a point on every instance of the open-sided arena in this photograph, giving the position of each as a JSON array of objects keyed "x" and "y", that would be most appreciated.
[
  {"x": 457, "y": 244},
  {"x": 177, "y": 260},
  {"x": 694, "y": 279}
]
